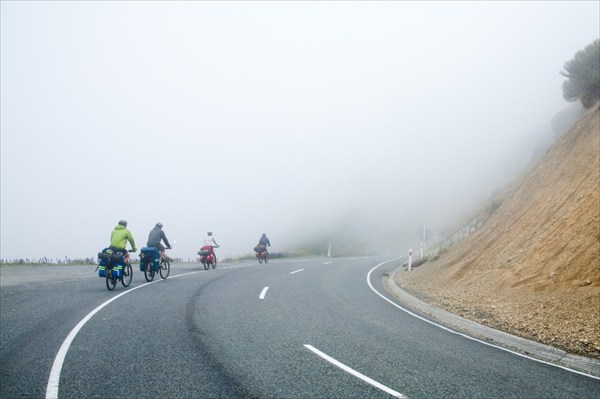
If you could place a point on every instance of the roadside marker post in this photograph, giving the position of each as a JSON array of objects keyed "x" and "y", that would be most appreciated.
[{"x": 410, "y": 259}]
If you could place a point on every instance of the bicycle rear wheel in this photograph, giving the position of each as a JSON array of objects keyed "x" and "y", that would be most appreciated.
[
  {"x": 111, "y": 282},
  {"x": 148, "y": 273},
  {"x": 127, "y": 275},
  {"x": 165, "y": 268},
  {"x": 214, "y": 264}
]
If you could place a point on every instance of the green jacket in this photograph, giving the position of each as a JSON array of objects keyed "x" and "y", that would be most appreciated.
[{"x": 119, "y": 237}]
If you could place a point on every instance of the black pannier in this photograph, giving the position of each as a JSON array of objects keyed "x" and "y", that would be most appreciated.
[{"x": 107, "y": 256}]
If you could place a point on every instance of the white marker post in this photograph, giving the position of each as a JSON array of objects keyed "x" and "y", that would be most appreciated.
[
  {"x": 329, "y": 251},
  {"x": 421, "y": 250},
  {"x": 409, "y": 259}
]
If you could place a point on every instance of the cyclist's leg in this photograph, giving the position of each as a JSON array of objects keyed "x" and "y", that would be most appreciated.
[{"x": 161, "y": 250}]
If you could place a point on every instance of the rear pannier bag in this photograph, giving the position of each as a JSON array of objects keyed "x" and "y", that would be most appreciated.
[
  {"x": 151, "y": 253},
  {"x": 105, "y": 258},
  {"x": 117, "y": 271}
]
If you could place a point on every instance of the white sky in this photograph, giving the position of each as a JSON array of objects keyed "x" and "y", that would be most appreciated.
[{"x": 289, "y": 118}]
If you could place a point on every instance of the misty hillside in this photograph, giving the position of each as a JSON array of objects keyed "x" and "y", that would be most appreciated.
[{"x": 533, "y": 267}]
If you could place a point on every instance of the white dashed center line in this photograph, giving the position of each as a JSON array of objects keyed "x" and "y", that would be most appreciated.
[
  {"x": 354, "y": 372},
  {"x": 263, "y": 293}
]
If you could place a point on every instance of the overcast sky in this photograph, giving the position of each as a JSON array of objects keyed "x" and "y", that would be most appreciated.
[{"x": 286, "y": 118}]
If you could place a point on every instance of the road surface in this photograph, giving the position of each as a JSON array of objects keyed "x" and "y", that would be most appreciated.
[{"x": 302, "y": 328}]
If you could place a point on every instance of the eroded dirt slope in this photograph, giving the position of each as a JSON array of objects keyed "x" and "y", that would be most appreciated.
[{"x": 533, "y": 268}]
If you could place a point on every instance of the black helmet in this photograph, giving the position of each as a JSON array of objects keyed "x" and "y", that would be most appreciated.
[
  {"x": 159, "y": 225},
  {"x": 123, "y": 223}
]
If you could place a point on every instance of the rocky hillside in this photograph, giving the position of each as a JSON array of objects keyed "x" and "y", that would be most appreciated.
[{"x": 533, "y": 267}]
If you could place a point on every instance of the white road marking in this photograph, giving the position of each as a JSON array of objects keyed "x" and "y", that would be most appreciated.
[
  {"x": 297, "y": 271},
  {"x": 354, "y": 372},
  {"x": 465, "y": 335},
  {"x": 263, "y": 293},
  {"x": 54, "y": 378},
  {"x": 327, "y": 263}
]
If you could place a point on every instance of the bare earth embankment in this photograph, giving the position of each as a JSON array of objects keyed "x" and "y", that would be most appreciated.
[{"x": 533, "y": 268}]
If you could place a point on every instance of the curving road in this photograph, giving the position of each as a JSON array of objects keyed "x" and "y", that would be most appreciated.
[{"x": 306, "y": 328}]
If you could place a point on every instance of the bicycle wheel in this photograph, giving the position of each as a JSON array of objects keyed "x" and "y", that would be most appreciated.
[
  {"x": 165, "y": 268},
  {"x": 127, "y": 275},
  {"x": 266, "y": 257},
  {"x": 214, "y": 264},
  {"x": 260, "y": 259},
  {"x": 111, "y": 282},
  {"x": 148, "y": 273},
  {"x": 206, "y": 265}
]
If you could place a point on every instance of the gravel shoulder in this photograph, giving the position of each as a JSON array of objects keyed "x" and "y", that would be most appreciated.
[{"x": 421, "y": 304}]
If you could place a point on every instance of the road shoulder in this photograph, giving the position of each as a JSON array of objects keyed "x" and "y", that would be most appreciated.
[{"x": 517, "y": 344}]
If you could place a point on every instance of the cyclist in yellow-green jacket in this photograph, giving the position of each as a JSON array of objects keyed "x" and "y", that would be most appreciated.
[{"x": 119, "y": 237}]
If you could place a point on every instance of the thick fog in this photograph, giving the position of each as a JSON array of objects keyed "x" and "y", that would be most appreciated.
[{"x": 313, "y": 122}]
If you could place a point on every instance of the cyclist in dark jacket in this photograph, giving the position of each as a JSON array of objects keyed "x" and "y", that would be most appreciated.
[
  {"x": 264, "y": 240},
  {"x": 263, "y": 243},
  {"x": 155, "y": 237}
]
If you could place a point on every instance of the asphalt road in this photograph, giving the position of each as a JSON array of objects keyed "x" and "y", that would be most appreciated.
[{"x": 306, "y": 328}]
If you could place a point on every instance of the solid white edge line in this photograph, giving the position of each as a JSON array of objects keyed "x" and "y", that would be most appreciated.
[
  {"x": 263, "y": 293},
  {"x": 465, "y": 335},
  {"x": 327, "y": 263},
  {"x": 354, "y": 372},
  {"x": 297, "y": 271},
  {"x": 54, "y": 378}
]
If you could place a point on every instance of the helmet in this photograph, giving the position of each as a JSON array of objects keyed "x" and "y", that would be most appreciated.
[
  {"x": 264, "y": 234},
  {"x": 209, "y": 233},
  {"x": 159, "y": 225},
  {"x": 123, "y": 222}
]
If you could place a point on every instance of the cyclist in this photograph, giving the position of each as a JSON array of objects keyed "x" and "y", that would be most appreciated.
[
  {"x": 156, "y": 236},
  {"x": 264, "y": 242},
  {"x": 119, "y": 237},
  {"x": 210, "y": 243}
]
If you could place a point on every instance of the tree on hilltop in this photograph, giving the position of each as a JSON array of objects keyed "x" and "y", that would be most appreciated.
[{"x": 583, "y": 73}]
